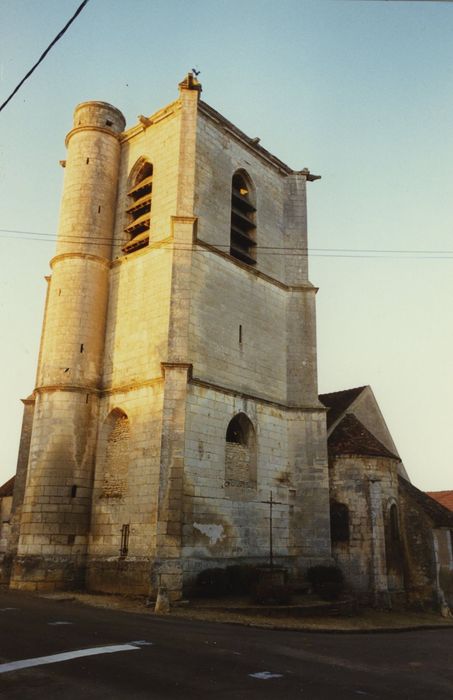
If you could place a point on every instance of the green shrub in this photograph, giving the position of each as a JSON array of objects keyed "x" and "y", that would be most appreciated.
[
  {"x": 211, "y": 583},
  {"x": 241, "y": 579},
  {"x": 266, "y": 593},
  {"x": 326, "y": 581}
]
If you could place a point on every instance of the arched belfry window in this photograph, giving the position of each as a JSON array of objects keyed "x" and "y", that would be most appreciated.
[
  {"x": 240, "y": 454},
  {"x": 339, "y": 522},
  {"x": 243, "y": 219},
  {"x": 139, "y": 209}
]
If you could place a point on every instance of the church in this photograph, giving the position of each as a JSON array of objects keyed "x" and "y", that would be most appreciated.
[{"x": 176, "y": 390}]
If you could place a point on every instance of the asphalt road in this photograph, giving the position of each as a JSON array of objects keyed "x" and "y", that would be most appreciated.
[{"x": 174, "y": 658}]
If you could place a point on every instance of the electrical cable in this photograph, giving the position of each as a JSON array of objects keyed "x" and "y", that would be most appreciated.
[
  {"x": 36, "y": 236},
  {"x": 43, "y": 55},
  {"x": 374, "y": 254}
]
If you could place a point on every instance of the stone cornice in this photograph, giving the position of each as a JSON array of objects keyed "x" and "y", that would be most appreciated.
[
  {"x": 146, "y": 122},
  {"x": 73, "y": 388},
  {"x": 101, "y": 129},
  {"x": 103, "y": 391},
  {"x": 188, "y": 366},
  {"x": 253, "y": 397},
  {"x": 124, "y": 388},
  {"x": 252, "y": 144},
  {"x": 308, "y": 287},
  {"x": 143, "y": 251},
  {"x": 105, "y": 262}
]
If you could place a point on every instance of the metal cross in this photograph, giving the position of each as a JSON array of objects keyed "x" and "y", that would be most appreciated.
[{"x": 272, "y": 503}]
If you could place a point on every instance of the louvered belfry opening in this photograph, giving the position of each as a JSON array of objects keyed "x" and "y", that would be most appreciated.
[
  {"x": 243, "y": 225},
  {"x": 139, "y": 210}
]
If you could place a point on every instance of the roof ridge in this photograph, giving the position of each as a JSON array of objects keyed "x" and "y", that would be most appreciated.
[
  {"x": 7, "y": 488},
  {"x": 337, "y": 402},
  {"x": 350, "y": 436},
  {"x": 441, "y": 514}
]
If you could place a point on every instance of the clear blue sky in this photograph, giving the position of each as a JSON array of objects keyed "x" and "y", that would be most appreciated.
[{"x": 359, "y": 91}]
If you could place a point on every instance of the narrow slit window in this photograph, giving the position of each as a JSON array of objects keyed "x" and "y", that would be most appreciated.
[
  {"x": 139, "y": 210},
  {"x": 73, "y": 490},
  {"x": 240, "y": 334},
  {"x": 243, "y": 221}
]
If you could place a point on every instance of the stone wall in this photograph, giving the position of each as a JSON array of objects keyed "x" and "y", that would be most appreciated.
[
  {"x": 224, "y": 297},
  {"x": 224, "y": 522},
  {"x": 158, "y": 144},
  {"x": 146, "y": 357},
  {"x": 420, "y": 561},
  {"x": 368, "y": 486},
  {"x": 116, "y": 501},
  {"x": 5, "y": 517}
]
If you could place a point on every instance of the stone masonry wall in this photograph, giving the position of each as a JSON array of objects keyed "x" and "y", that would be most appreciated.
[
  {"x": 237, "y": 464},
  {"x": 117, "y": 501},
  {"x": 136, "y": 345},
  {"x": 158, "y": 144},
  {"x": 252, "y": 327},
  {"x": 219, "y": 155},
  {"x": 221, "y": 525},
  {"x": 225, "y": 297},
  {"x": 420, "y": 562},
  {"x": 56, "y": 508},
  {"x": 350, "y": 478}
]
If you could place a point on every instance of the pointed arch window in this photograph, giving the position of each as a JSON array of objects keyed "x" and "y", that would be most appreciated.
[
  {"x": 240, "y": 455},
  {"x": 394, "y": 523},
  {"x": 243, "y": 219},
  {"x": 339, "y": 522},
  {"x": 139, "y": 209}
]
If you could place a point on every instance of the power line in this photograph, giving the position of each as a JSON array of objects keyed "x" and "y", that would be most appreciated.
[
  {"x": 52, "y": 237},
  {"x": 43, "y": 55},
  {"x": 41, "y": 237}
]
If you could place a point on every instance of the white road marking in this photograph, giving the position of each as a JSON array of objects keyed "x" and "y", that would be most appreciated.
[
  {"x": 65, "y": 656},
  {"x": 142, "y": 643},
  {"x": 265, "y": 675},
  {"x": 60, "y": 622},
  {"x": 5, "y": 609}
]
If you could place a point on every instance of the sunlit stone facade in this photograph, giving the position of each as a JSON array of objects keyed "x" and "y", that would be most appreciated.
[{"x": 176, "y": 386}]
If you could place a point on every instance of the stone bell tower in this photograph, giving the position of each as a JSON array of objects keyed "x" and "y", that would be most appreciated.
[
  {"x": 176, "y": 386},
  {"x": 56, "y": 508}
]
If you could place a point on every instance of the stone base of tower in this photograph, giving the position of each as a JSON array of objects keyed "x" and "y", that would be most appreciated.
[
  {"x": 32, "y": 573},
  {"x": 127, "y": 576},
  {"x": 134, "y": 576}
]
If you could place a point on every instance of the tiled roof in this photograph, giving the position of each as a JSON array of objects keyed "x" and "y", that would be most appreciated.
[
  {"x": 441, "y": 516},
  {"x": 351, "y": 437},
  {"x": 7, "y": 488},
  {"x": 338, "y": 401},
  {"x": 445, "y": 498}
]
